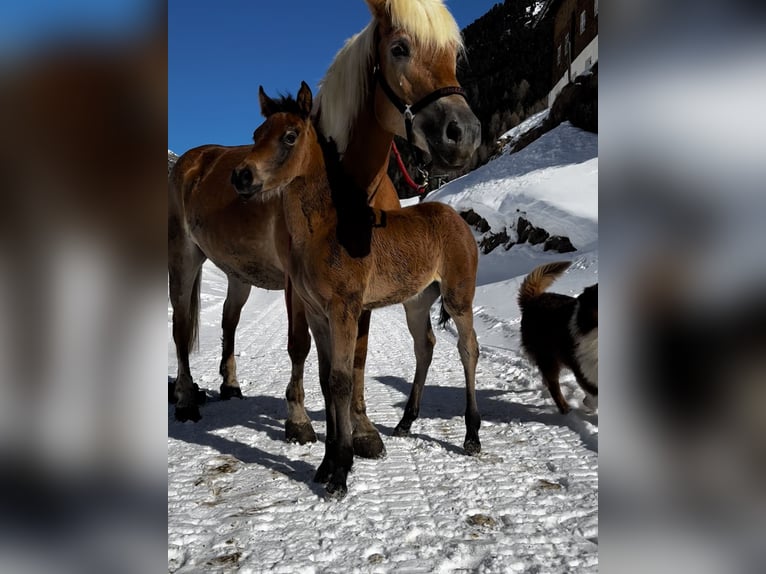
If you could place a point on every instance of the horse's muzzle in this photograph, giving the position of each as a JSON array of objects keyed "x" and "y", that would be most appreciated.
[{"x": 452, "y": 132}]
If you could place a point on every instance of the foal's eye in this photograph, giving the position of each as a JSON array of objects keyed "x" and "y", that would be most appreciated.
[
  {"x": 400, "y": 50},
  {"x": 290, "y": 138}
]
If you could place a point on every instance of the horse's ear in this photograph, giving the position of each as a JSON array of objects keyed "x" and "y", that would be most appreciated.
[
  {"x": 377, "y": 8},
  {"x": 305, "y": 100},
  {"x": 268, "y": 106}
]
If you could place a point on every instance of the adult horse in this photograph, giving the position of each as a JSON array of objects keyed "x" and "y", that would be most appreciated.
[
  {"x": 416, "y": 254},
  {"x": 397, "y": 76}
]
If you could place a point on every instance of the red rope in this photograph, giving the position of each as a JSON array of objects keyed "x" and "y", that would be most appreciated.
[{"x": 408, "y": 180}]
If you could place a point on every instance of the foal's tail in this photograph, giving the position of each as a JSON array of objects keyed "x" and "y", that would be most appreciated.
[{"x": 539, "y": 280}]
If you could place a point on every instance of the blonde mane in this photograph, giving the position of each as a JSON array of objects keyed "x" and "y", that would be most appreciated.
[{"x": 342, "y": 91}]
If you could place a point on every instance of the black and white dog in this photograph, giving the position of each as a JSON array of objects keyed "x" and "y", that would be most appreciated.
[{"x": 560, "y": 331}]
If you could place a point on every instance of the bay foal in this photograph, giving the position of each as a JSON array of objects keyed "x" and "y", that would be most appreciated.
[{"x": 340, "y": 266}]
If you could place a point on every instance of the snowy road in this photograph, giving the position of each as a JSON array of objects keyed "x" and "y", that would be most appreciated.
[{"x": 242, "y": 499}]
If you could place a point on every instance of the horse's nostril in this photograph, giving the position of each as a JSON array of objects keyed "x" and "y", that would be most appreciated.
[
  {"x": 454, "y": 132},
  {"x": 242, "y": 179}
]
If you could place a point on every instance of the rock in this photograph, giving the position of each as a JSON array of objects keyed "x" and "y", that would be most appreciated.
[
  {"x": 548, "y": 485},
  {"x": 481, "y": 520},
  {"x": 522, "y": 230},
  {"x": 559, "y": 243},
  {"x": 475, "y": 220},
  {"x": 538, "y": 235},
  {"x": 493, "y": 240}
]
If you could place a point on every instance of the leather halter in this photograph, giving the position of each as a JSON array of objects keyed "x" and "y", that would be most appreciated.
[{"x": 409, "y": 110}]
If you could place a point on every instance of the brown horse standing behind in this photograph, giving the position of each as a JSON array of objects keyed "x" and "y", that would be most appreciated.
[{"x": 415, "y": 254}]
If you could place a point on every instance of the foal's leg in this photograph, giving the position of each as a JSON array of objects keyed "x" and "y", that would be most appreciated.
[
  {"x": 367, "y": 441},
  {"x": 236, "y": 297},
  {"x": 184, "y": 277},
  {"x": 322, "y": 338},
  {"x": 343, "y": 336},
  {"x": 468, "y": 348},
  {"x": 298, "y": 425},
  {"x": 418, "y": 312}
]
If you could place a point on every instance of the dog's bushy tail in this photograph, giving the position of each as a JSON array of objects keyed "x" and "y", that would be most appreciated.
[{"x": 539, "y": 280}]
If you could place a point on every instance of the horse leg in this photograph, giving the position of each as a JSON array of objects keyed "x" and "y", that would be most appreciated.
[
  {"x": 298, "y": 424},
  {"x": 367, "y": 441},
  {"x": 236, "y": 297},
  {"x": 184, "y": 277},
  {"x": 343, "y": 336},
  {"x": 418, "y": 313},
  {"x": 322, "y": 338},
  {"x": 468, "y": 348}
]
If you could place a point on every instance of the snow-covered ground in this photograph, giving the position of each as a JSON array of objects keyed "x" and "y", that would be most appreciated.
[{"x": 242, "y": 499}]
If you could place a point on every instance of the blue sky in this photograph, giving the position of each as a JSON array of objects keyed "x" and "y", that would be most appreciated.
[{"x": 220, "y": 52}]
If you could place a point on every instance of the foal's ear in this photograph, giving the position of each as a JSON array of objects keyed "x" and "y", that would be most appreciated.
[
  {"x": 268, "y": 106},
  {"x": 305, "y": 100}
]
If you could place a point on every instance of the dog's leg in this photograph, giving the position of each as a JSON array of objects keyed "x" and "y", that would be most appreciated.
[
  {"x": 586, "y": 385},
  {"x": 551, "y": 379},
  {"x": 591, "y": 390}
]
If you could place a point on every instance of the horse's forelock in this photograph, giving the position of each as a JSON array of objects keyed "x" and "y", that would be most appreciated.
[{"x": 426, "y": 21}]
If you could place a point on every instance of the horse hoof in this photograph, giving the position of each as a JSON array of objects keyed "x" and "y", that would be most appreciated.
[
  {"x": 472, "y": 446},
  {"x": 184, "y": 414},
  {"x": 369, "y": 446},
  {"x": 401, "y": 431},
  {"x": 228, "y": 392},
  {"x": 299, "y": 432}
]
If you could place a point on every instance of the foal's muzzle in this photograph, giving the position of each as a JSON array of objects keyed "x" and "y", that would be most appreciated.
[{"x": 242, "y": 180}]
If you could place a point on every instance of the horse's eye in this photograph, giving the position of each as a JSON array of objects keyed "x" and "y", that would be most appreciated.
[
  {"x": 290, "y": 138},
  {"x": 400, "y": 50}
]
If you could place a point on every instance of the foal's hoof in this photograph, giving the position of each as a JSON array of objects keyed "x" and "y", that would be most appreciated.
[
  {"x": 200, "y": 397},
  {"x": 299, "y": 432},
  {"x": 229, "y": 392},
  {"x": 369, "y": 446},
  {"x": 184, "y": 414},
  {"x": 401, "y": 431},
  {"x": 472, "y": 446},
  {"x": 336, "y": 490}
]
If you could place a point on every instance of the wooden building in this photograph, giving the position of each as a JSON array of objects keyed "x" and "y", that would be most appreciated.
[{"x": 575, "y": 40}]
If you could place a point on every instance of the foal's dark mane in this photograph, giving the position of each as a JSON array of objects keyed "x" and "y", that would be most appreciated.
[
  {"x": 288, "y": 104},
  {"x": 355, "y": 216}
]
